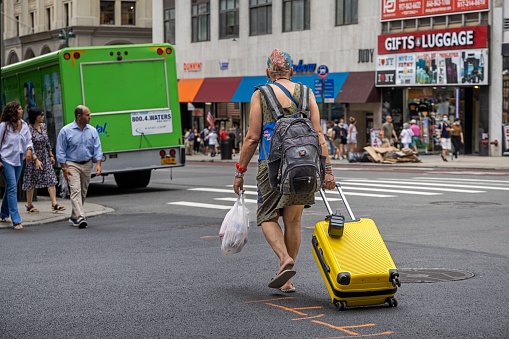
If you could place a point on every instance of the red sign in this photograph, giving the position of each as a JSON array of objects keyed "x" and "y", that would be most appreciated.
[
  {"x": 398, "y": 9},
  {"x": 192, "y": 66},
  {"x": 436, "y": 40}
]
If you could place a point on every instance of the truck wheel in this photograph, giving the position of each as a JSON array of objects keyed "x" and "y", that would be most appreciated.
[{"x": 137, "y": 179}]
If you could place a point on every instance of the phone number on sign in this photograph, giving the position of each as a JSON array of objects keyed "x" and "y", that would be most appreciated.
[{"x": 151, "y": 117}]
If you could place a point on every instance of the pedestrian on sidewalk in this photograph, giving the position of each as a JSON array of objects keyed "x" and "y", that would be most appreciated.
[
  {"x": 387, "y": 132},
  {"x": 78, "y": 147},
  {"x": 197, "y": 141},
  {"x": 338, "y": 134},
  {"x": 406, "y": 135},
  {"x": 328, "y": 136},
  {"x": 212, "y": 139},
  {"x": 39, "y": 172},
  {"x": 204, "y": 134},
  {"x": 351, "y": 138},
  {"x": 456, "y": 137},
  {"x": 272, "y": 204},
  {"x": 444, "y": 134},
  {"x": 232, "y": 137},
  {"x": 417, "y": 136},
  {"x": 15, "y": 144}
]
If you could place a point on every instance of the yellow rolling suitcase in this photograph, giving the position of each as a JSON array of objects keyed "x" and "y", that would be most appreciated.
[{"x": 353, "y": 259}]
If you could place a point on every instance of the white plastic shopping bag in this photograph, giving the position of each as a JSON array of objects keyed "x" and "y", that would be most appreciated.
[
  {"x": 233, "y": 232},
  {"x": 64, "y": 186}
]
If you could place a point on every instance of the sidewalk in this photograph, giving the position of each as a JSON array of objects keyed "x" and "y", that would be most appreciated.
[
  {"x": 428, "y": 161},
  {"x": 46, "y": 216}
]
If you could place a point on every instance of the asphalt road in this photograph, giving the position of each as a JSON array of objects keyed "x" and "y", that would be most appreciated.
[{"x": 153, "y": 268}]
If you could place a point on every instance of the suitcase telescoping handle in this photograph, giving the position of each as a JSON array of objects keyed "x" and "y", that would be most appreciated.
[{"x": 324, "y": 198}]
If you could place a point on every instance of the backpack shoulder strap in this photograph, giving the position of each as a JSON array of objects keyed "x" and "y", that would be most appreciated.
[
  {"x": 304, "y": 101},
  {"x": 287, "y": 92},
  {"x": 271, "y": 99}
]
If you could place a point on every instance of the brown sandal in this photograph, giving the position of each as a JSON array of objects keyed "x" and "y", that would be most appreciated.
[
  {"x": 5, "y": 220},
  {"x": 57, "y": 208},
  {"x": 18, "y": 226},
  {"x": 31, "y": 209}
]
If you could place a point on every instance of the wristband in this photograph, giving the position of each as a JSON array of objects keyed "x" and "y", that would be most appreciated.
[
  {"x": 239, "y": 175},
  {"x": 240, "y": 169}
]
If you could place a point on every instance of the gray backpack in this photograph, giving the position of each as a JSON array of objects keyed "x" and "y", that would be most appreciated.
[{"x": 295, "y": 161}]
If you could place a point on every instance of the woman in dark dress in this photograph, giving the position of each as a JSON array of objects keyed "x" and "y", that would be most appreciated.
[{"x": 40, "y": 173}]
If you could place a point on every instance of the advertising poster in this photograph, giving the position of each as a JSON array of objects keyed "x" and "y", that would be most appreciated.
[
  {"x": 426, "y": 70},
  {"x": 448, "y": 67},
  {"x": 395, "y": 9},
  {"x": 474, "y": 67},
  {"x": 405, "y": 72},
  {"x": 144, "y": 123}
]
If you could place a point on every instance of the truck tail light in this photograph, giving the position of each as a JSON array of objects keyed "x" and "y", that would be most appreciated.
[
  {"x": 172, "y": 152},
  {"x": 67, "y": 56},
  {"x": 76, "y": 55},
  {"x": 162, "y": 152}
]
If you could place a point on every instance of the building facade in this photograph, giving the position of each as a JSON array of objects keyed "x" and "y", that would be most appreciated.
[
  {"x": 32, "y": 27},
  {"x": 222, "y": 48},
  {"x": 444, "y": 58}
]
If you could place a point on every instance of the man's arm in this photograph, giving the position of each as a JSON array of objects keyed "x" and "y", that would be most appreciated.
[{"x": 98, "y": 154}]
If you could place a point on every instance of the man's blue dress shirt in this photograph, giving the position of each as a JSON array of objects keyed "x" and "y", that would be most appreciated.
[{"x": 74, "y": 144}]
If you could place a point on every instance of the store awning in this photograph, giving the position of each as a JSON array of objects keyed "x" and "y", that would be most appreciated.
[
  {"x": 309, "y": 80},
  {"x": 359, "y": 87},
  {"x": 246, "y": 88},
  {"x": 217, "y": 89},
  {"x": 188, "y": 89}
]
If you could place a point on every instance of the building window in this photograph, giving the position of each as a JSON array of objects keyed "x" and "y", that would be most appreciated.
[
  {"x": 295, "y": 15},
  {"x": 48, "y": 17},
  {"x": 107, "y": 13},
  {"x": 66, "y": 13},
  {"x": 200, "y": 14},
  {"x": 169, "y": 25},
  {"x": 346, "y": 12},
  {"x": 128, "y": 13},
  {"x": 260, "y": 17},
  {"x": 17, "y": 25},
  {"x": 228, "y": 19},
  {"x": 32, "y": 22}
]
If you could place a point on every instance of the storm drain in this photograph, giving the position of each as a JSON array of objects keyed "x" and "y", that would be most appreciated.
[{"x": 431, "y": 275}]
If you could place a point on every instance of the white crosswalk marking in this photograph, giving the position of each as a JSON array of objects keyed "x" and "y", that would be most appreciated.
[
  {"x": 363, "y": 187},
  {"x": 395, "y": 184},
  {"x": 199, "y": 204},
  {"x": 411, "y": 182},
  {"x": 500, "y": 182},
  {"x": 349, "y": 187}
]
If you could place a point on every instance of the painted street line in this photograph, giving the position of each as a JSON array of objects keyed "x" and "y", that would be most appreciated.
[
  {"x": 348, "y": 187},
  {"x": 401, "y": 184},
  {"x": 501, "y": 182},
  {"x": 248, "y": 201},
  {"x": 219, "y": 190},
  {"x": 363, "y": 194},
  {"x": 411, "y": 182},
  {"x": 199, "y": 204}
]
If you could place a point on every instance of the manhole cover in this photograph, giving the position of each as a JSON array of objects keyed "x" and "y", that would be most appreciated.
[
  {"x": 431, "y": 275},
  {"x": 464, "y": 203}
]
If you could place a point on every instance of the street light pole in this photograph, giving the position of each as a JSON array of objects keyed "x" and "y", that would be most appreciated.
[{"x": 65, "y": 34}]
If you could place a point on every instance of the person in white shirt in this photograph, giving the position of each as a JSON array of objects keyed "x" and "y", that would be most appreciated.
[
  {"x": 212, "y": 138},
  {"x": 16, "y": 143},
  {"x": 406, "y": 135}
]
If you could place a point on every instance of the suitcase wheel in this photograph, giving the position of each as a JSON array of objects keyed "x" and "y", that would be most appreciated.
[
  {"x": 392, "y": 302},
  {"x": 340, "y": 305}
]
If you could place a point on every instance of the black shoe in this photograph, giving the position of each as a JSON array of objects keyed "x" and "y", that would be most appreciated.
[
  {"x": 82, "y": 223},
  {"x": 73, "y": 222}
]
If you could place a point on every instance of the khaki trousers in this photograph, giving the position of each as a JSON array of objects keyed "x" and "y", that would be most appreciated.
[{"x": 78, "y": 185}]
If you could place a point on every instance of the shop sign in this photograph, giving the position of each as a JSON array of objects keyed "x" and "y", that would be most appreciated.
[
  {"x": 505, "y": 97},
  {"x": 300, "y": 67},
  {"x": 453, "y": 38},
  {"x": 398, "y": 9},
  {"x": 192, "y": 66},
  {"x": 386, "y": 62},
  {"x": 385, "y": 78},
  {"x": 366, "y": 55},
  {"x": 467, "y": 67},
  {"x": 223, "y": 65},
  {"x": 506, "y": 137}
]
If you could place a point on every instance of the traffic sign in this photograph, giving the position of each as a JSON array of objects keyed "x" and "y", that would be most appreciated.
[{"x": 322, "y": 71}]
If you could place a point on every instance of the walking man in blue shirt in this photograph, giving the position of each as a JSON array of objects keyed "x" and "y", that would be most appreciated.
[{"x": 78, "y": 146}]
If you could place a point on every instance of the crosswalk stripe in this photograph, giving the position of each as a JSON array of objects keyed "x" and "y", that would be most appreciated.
[
  {"x": 199, "y": 204},
  {"x": 250, "y": 201},
  {"x": 218, "y": 190},
  {"x": 348, "y": 187},
  {"x": 364, "y": 194},
  {"x": 410, "y": 182},
  {"x": 396, "y": 185},
  {"x": 502, "y": 182}
]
